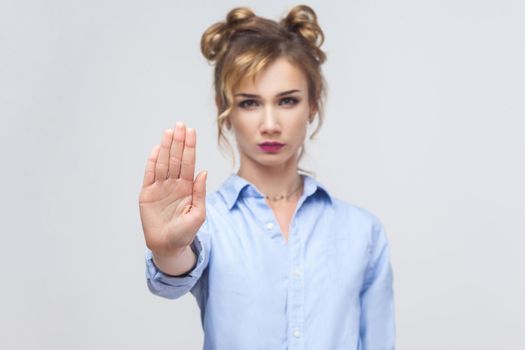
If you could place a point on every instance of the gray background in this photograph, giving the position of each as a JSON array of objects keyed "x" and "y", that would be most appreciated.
[{"x": 424, "y": 127}]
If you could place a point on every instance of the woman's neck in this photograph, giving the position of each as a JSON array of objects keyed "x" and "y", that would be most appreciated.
[{"x": 274, "y": 181}]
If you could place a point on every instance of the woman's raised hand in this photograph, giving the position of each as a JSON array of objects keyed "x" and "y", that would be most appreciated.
[{"x": 172, "y": 203}]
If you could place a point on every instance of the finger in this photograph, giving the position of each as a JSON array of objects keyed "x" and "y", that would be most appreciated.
[
  {"x": 188, "y": 156},
  {"x": 177, "y": 146},
  {"x": 161, "y": 168},
  {"x": 199, "y": 191},
  {"x": 149, "y": 174}
]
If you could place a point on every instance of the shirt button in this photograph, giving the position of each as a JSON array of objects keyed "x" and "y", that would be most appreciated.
[
  {"x": 269, "y": 225},
  {"x": 296, "y": 273},
  {"x": 296, "y": 333}
]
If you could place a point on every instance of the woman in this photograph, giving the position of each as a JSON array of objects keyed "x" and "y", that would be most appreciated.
[{"x": 273, "y": 259}]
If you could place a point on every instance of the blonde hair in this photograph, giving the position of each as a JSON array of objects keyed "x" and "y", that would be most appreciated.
[{"x": 245, "y": 44}]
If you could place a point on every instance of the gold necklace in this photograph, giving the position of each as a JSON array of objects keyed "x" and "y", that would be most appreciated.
[{"x": 282, "y": 196}]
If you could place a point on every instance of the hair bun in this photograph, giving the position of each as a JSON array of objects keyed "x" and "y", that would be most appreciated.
[
  {"x": 302, "y": 20},
  {"x": 215, "y": 40},
  {"x": 239, "y": 15}
]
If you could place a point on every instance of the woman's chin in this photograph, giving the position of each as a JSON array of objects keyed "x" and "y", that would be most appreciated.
[{"x": 272, "y": 160}]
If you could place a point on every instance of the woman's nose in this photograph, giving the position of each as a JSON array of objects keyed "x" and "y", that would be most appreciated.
[{"x": 270, "y": 122}]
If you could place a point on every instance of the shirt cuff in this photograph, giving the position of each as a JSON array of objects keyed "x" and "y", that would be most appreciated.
[{"x": 154, "y": 274}]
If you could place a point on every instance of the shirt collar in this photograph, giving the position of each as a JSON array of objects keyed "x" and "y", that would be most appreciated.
[{"x": 235, "y": 186}]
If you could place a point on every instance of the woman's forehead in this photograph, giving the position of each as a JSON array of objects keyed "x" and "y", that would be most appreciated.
[{"x": 278, "y": 77}]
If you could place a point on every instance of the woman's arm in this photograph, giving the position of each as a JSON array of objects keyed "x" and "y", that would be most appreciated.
[
  {"x": 173, "y": 286},
  {"x": 172, "y": 206},
  {"x": 377, "y": 327}
]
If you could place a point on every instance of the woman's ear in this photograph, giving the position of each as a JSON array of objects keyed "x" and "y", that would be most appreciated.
[{"x": 313, "y": 110}]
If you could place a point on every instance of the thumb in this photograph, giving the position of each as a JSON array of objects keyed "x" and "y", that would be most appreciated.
[{"x": 199, "y": 190}]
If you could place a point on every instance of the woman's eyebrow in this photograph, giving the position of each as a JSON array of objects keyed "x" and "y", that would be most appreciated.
[
  {"x": 242, "y": 94},
  {"x": 288, "y": 92}
]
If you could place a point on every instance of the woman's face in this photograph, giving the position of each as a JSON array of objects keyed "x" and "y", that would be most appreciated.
[{"x": 273, "y": 109}]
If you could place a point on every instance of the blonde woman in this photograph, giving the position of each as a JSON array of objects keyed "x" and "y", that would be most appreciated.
[{"x": 274, "y": 260}]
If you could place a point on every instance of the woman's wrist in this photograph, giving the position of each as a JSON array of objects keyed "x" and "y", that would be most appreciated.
[{"x": 178, "y": 263}]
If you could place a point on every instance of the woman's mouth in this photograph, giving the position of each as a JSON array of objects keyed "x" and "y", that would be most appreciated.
[{"x": 271, "y": 147}]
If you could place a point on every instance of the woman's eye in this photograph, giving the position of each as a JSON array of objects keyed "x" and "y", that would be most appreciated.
[
  {"x": 289, "y": 101},
  {"x": 247, "y": 103}
]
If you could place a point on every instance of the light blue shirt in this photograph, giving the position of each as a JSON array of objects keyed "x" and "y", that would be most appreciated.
[{"x": 328, "y": 287}]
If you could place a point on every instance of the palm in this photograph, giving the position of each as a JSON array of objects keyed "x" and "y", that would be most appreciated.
[{"x": 165, "y": 191}]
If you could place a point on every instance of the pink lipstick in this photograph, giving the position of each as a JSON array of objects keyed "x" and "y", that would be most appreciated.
[{"x": 271, "y": 147}]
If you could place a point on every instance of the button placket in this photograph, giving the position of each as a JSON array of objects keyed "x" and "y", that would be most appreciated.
[
  {"x": 296, "y": 272},
  {"x": 265, "y": 214},
  {"x": 295, "y": 287}
]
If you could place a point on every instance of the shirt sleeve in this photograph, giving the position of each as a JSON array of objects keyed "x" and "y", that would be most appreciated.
[
  {"x": 377, "y": 324},
  {"x": 172, "y": 287}
]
